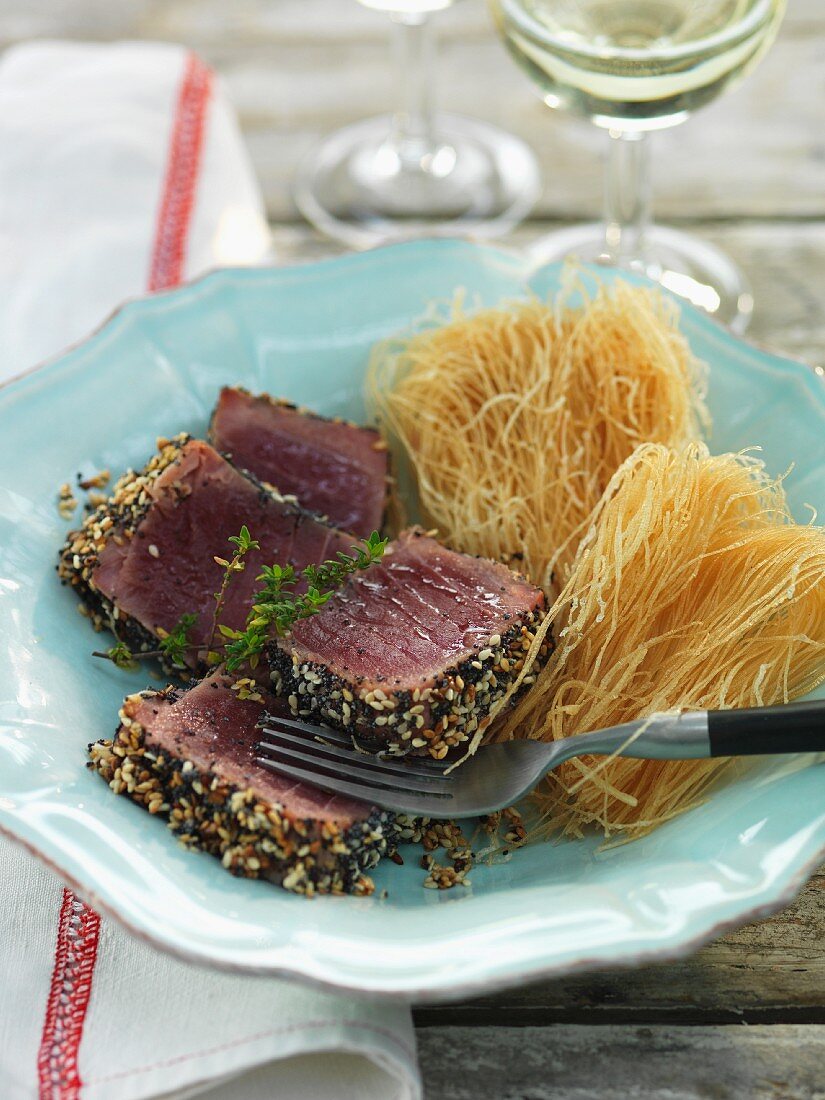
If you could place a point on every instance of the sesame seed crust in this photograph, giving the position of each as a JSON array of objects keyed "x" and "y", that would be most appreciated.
[
  {"x": 66, "y": 501},
  {"x": 117, "y": 518},
  {"x": 434, "y": 716},
  {"x": 252, "y": 837}
]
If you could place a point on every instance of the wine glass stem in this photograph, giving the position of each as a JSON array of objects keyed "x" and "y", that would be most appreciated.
[
  {"x": 627, "y": 198},
  {"x": 413, "y": 136}
]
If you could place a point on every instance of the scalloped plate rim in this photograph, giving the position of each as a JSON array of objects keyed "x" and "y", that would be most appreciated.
[
  {"x": 771, "y": 897},
  {"x": 439, "y": 994}
]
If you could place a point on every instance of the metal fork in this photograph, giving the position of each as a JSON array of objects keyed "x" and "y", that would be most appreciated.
[{"x": 499, "y": 775}]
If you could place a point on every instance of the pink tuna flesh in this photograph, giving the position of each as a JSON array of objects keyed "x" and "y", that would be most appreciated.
[
  {"x": 167, "y": 569},
  {"x": 335, "y": 469},
  {"x": 217, "y": 731},
  {"x": 421, "y": 609}
]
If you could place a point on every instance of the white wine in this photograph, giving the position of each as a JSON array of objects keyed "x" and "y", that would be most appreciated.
[{"x": 636, "y": 64}]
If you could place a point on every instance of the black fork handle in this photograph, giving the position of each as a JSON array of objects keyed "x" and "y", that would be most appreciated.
[{"x": 794, "y": 727}]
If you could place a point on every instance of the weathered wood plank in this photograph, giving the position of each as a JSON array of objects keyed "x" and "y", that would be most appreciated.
[
  {"x": 299, "y": 68},
  {"x": 624, "y": 1063},
  {"x": 768, "y": 972}
]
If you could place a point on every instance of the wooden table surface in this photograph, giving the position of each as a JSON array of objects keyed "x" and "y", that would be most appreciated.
[{"x": 745, "y": 1017}]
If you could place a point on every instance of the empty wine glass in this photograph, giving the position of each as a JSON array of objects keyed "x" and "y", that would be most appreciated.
[
  {"x": 417, "y": 171},
  {"x": 633, "y": 66}
]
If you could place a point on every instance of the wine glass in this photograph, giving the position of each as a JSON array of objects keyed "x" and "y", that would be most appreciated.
[
  {"x": 633, "y": 66},
  {"x": 417, "y": 171}
]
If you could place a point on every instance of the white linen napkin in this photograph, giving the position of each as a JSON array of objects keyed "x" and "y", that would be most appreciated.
[{"x": 122, "y": 170}]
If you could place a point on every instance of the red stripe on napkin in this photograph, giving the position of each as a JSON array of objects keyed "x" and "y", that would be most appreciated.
[
  {"x": 181, "y": 180},
  {"x": 78, "y": 926},
  {"x": 74, "y": 962}
]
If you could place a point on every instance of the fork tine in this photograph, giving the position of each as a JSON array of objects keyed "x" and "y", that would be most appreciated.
[
  {"x": 308, "y": 733},
  {"x": 306, "y": 729},
  {"x": 396, "y": 769},
  {"x": 363, "y": 768},
  {"x": 371, "y": 793},
  {"x": 319, "y": 735}
]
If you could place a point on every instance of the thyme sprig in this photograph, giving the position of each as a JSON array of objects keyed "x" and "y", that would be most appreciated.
[
  {"x": 121, "y": 656},
  {"x": 276, "y": 607},
  {"x": 275, "y": 610},
  {"x": 173, "y": 646},
  {"x": 243, "y": 543}
]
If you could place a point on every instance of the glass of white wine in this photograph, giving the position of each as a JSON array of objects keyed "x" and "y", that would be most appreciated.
[
  {"x": 632, "y": 66},
  {"x": 417, "y": 171}
]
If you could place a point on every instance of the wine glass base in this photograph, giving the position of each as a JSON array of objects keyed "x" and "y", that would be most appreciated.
[
  {"x": 473, "y": 180},
  {"x": 685, "y": 265}
]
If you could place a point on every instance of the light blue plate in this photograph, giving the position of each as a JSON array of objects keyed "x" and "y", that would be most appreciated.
[{"x": 305, "y": 333}]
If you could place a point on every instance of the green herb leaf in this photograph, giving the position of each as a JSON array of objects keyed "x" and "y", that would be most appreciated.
[
  {"x": 122, "y": 657},
  {"x": 276, "y": 608},
  {"x": 244, "y": 541},
  {"x": 175, "y": 644}
]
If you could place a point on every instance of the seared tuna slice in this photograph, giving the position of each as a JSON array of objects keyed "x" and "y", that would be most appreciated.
[
  {"x": 146, "y": 557},
  {"x": 332, "y": 467},
  {"x": 190, "y": 756},
  {"x": 414, "y": 651}
]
